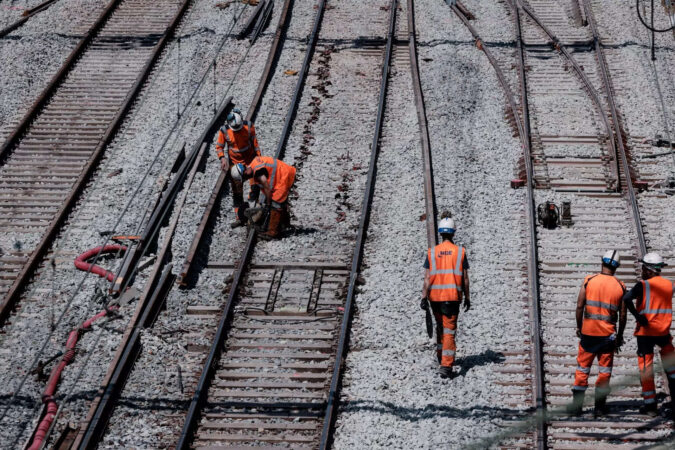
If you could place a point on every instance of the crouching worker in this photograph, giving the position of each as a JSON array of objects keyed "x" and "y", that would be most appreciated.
[
  {"x": 238, "y": 135},
  {"x": 446, "y": 284},
  {"x": 275, "y": 178}
]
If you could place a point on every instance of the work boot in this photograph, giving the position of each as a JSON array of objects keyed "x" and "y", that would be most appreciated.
[
  {"x": 446, "y": 372},
  {"x": 601, "y": 402},
  {"x": 650, "y": 409},
  {"x": 273, "y": 227},
  {"x": 577, "y": 406},
  {"x": 237, "y": 223}
]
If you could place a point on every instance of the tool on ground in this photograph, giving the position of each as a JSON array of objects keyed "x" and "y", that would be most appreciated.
[{"x": 548, "y": 215}]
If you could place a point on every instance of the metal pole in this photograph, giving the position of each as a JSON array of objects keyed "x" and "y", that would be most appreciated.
[{"x": 653, "y": 34}]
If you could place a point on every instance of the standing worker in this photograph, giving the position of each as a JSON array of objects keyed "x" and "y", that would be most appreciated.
[
  {"x": 446, "y": 282},
  {"x": 598, "y": 304},
  {"x": 242, "y": 146},
  {"x": 275, "y": 178},
  {"x": 653, "y": 315}
]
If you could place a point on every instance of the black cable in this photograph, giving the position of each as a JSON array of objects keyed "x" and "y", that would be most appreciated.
[{"x": 655, "y": 30}]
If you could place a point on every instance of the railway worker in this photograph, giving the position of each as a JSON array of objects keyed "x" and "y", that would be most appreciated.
[
  {"x": 446, "y": 285},
  {"x": 275, "y": 178},
  {"x": 242, "y": 146},
  {"x": 598, "y": 304},
  {"x": 653, "y": 315}
]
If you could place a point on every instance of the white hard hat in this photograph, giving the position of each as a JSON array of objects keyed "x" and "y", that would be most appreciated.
[
  {"x": 653, "y": 261},
  {"x": 235, "y": 121},
  {"x": 237, "y": 171},
  {"x": 446, "y": 226},
  {"x": 611, "y": 258}
]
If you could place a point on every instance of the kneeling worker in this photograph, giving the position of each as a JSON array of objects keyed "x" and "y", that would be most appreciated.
[
  {"x": 275, "y": 178},
  {"x": 598, "y": 304},
  {"x": 654, "y": 314},
  {"x": 446, "y": 282},
  {"x": 242, "y": 146}
]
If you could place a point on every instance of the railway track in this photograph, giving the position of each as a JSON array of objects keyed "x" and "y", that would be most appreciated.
[
  {"x": 566, "y": 75},
  {"x": 49, "y": 158},
  {"x": 283, "y": 333},
  {"x": 588, "y": 165}
]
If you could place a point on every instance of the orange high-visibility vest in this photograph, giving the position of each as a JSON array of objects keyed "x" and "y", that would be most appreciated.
[
  {"x": 280, "y": 175},
  {"x": 657, "y": 306},
  {"x": 445, "y": 271},
  {"x": 603, "y": 299},
  {"x": 242, "y": 145}
]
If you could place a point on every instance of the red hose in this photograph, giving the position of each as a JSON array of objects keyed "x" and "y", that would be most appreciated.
[
  {"x": 82, "y": 264},
  {"x": 68, "y": 356}
]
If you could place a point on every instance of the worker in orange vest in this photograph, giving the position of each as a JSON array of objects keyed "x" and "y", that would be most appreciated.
[
  {"x": 598, "y": 305},
  {"x": 275, "y": 178},
  {"x": 242, "y": 146},
  {"x": 446, "y": 285},
  {"x": 653, "y": 314}
]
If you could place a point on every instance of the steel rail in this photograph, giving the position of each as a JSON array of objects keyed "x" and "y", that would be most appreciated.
[
  {"x": 219, "y": 187},
  {"x": 343, "y": 340},
  {"x": 36, "y": 257},
  {"x": 532, "y": 263},
  {"x": 191, "y": 419},
  {"x": 595, "y": 97},
  {"x": 618, "y": 129},
  {"x": 429, "y": 196},
  {"x": 523, "y": 125},
  {"x": 26, "y": 16}
]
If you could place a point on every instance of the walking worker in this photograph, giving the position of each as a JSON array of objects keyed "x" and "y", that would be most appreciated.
[
  {"x": 275, "y": 178},
  {"x": 242, "y": 146},
  {"x": 653, "y": 315},
  {"x": 446, "y": 284},
  {"x": 598, "y": 304}
]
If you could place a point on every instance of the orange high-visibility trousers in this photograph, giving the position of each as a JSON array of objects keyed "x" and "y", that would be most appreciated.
[
  {"x": 646, "y": 366},
  {"x": 584, "y": 363},
  {"x": 446, "y": 326}
]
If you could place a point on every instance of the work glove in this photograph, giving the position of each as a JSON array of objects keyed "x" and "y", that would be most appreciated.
[
  {"x": 224, "y": 164},
  {"x": 579, "y": 333},
  {"x": 424, "y": 304},
  {"x": 467, "y": 304},
  {"x": 642, "y": 320}
]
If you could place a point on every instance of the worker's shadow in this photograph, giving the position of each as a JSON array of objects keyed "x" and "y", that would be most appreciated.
[{"x": 469, "y": 362}]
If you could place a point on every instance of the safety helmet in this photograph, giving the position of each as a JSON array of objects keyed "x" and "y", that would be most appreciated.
[
  {"x": 446, "y": 226},
  {"x": 611, "y": 259},
  {"x": 234, "y": 120},
  {"x": 653, "y": 262},
  {"x": 237, "y": 171}
]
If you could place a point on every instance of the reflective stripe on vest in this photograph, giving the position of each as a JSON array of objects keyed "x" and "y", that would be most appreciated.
[{"x": 648, "y": 296}]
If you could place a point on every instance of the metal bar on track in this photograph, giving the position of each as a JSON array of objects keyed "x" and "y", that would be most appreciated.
[
  {"x": 332, "y": 402},
  {"x": 429, "y": 196},
  {"x": 532, "y": 262},
  {"x": 205, "y": 379},
  {"x": 618, "y": 133},
  {"x": 523, "y": 125}
]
